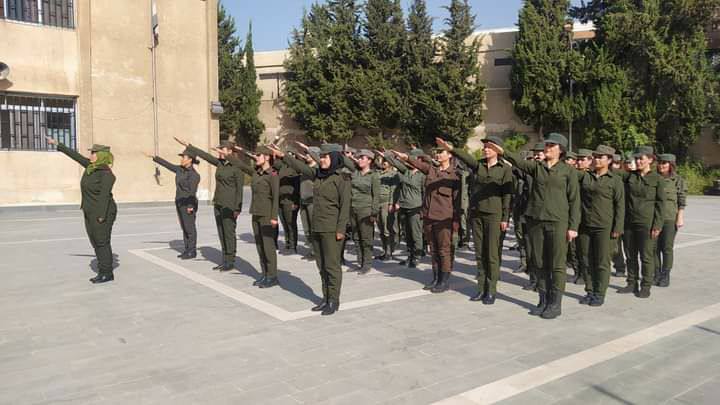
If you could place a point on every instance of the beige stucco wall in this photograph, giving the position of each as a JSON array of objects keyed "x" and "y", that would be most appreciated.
[{"x": 107, "y": 63}]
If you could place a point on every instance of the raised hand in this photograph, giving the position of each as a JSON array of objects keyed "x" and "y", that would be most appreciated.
[
  {"x": 181, "y": 142},
  {"x": 51, "y": 140},
  {"x": 495, "y": 147},
  {"x": 443, "y": 144},
  {"x": 400, "y": 155},
  {"x": 148, "y": 155},
  {"x": 302, "y": 145},
  {"x": 277, "y": 153}
]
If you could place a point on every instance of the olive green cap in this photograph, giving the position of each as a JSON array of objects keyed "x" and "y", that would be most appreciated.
[
  {"x": 644, "y": 151},
  {"x": 667, "y": 157},
  {"x": 571, "y": 155},
  {"x": 539, "y": 147},
  {"x": 226, "y": 144},
  {"x": 556, "y": 139},
  {"x": 314, "y": 152},
  {"x": 494, "y": 139},
  {"x": 188, "y": 152},
  {"x": 329, "y": 148},
  {"x": 583, "y": 153},
  {"x": 604, "y": 150},
  {"x": 351, "y": 150},
  {"x": 364, "y": 152},
  {"x": 263, "y": 150},
  {"x": 99, "y": 148}
]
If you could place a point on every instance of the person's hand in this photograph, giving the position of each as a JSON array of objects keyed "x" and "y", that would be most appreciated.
[
  {"x": 190, "y": 210},
  {"x": 339, "y": 236},
  {"x": 443, "y": 144},
  {"x": 495, "y": 147},
  {"x": 680, "y": 220},
  {"x": 180, "y": 141},
  {"x": 238, "y": 148},
  {"x": 503, "y": 226},
  {"x": 235, "y": 214},
  {"x": 302, "y": 146},
  {"x": 148, "y": 155},
  {"x": 51, "y": 140},
  {"x": 571, "y": 235},
  {"x": 274, "y": 223},
  {"x": 400, "y": 155},
  {"x": 615, "y": 235},
  {"x": 100, "y": 220},
  {"x": 655, "y": 233},
  {"x": 277, "y": 153}
]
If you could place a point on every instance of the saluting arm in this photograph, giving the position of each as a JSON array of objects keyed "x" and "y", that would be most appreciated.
[
  {"x": 73, "y": 154},
  {"x": 205, "y": 156},
  {"x": 240, "y": 164},
  {"x": 396, "y": 163},
  {"x": 300, "y": 166},
  {"x": 466, "y": 158},
  {"x": 526, "y": 166},
  {"x": 164, "y": 163},
  {"x": 420, "y": 165}
]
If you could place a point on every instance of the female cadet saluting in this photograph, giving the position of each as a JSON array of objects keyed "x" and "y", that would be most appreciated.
[
  {"x": 489, "y": 212},
  {"x": 227, "y": 199},
  {"x": 554, "y": 209},
  {"x": 603, "y": 220},
  {"x": 440, "y": 212},
  {"x": 264, "y": 207},
  {"x": 97, "y": 203},
  {"x": 331, "y": 214},
  {"x": 674, "y": 218},
  {"x": 186, "y": 202},
  {"x": 365, "y": 204},
  {"x": 644, "y": 217}
]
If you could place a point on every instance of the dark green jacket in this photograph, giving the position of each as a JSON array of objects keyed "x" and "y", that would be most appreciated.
[
  {"x": 186, "y": 182},
  {"x": 676, "y": 196},
  {"x": 603, "y": 201},
  {"x": 229, "y": 181},
  {"x": 365, "y": 190},
  {"x": 95, "y": 189},
  {"x": 331, "y": 199},
  {"x": 265, "y": 187},
  {"x": 492, "y": 188},
  {"x": 412, "y": 185},
  {"x": 644, "y": 199},
  {"x": 289, "y": 183},
  {"x": 389, "y": 187},
  {"x": 554, "y": 195}
]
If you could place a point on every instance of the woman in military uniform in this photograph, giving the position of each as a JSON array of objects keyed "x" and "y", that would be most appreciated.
[
  {"x": 331, "y": 214},
  {"x": 673, "y": 215},
  {"x": 387, "y": 220},
  {"x": 186, "y": 202},
  {"x": 644, "y": 217},
  {"x": 554, "y": 210},
  {"x": 264, "y": 206},
  {"x": 98, "y": 206},
  {"x": 227, "y": 200},
  {"x": 365, "y": 205}
]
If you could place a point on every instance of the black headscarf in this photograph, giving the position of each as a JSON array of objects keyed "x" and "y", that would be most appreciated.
[{"x": 336, "y": 161}]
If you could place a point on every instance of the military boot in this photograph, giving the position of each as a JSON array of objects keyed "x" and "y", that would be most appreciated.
[
  {"x": 665, "y": 279},
  {"x": 434, "y": 281},
  {"x": 644, "y": 292},
  {"x": 554, "y": 308},
  {"x": 383, "y": 256},
  {"x": 321, "y": 306},
  {"x": 330, "y": 308},
  {"x": 443, "y": 283},
  {"x": 542, "y": 304},
  {"x": 269, "y": 282},
  {"x": 261, "y": 280},
  {"x": 630, "y": 288}
]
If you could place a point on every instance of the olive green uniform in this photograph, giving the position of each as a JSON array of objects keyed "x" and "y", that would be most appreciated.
[
  {"x": 365, "y": 208},
  {"x": 227, "y": 201},
  {"x": 644, "y": 210},
  {"x": 264, "y": 207},
  {"x": 410, "y": 199},
  {"x": 617, "y": 250},
  {"x": 553, "y": 209},
  {"x": 99, "y": 208},
  {"x": 387, "y": 220},
  {"x": 306, "y": 209},
  {"x": 603, "y": 213},
  {"x": 289, "y": 202},
  {"x": 676, "y": 199},
  {"x": 331, "y": 214},
  {"x": 489, "y": 207}
]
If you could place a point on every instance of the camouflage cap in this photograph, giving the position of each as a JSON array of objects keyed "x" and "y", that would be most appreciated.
[
  {"x": 365, "y": 152},
  {"x": 617, "y": 158},
  {"x": 571, "y": 155},
  {"x": 263, "y": 150}
]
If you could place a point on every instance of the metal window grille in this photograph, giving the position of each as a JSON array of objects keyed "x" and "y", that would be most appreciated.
[
  {"x": 25, "y": 121},
  {"x": 57, "y": 13}
]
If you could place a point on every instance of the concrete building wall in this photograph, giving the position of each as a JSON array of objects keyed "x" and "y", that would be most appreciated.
[{"x": 106, "y": 63}]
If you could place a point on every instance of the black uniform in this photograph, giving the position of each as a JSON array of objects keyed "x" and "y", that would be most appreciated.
[{"x": 186, "y": 202}]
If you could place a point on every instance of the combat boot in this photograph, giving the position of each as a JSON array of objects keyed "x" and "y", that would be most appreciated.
[
  {"x": 261, "y": 280},
  {"x": 644, "y": 292},
  {"x": 542, "y": 304},
  {"x": 630, "y": 288},
  {"x": 321, "y": 306},
  {"x": 269, "y": 282},
  {"x": 330, "y": 308},
  {"x": 587, "y": 299},
  {"x": 665, "y": 279},
  {"x": 554, "y": 308},
  {"x": 597, "y": 301},
  {"x": 434, "y": 281},
  {"x": 443, "y": 283}
]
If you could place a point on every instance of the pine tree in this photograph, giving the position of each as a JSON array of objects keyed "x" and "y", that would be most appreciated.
[
  {"x": 228, "y": 72},
  {"x": 249, "y": 125}
]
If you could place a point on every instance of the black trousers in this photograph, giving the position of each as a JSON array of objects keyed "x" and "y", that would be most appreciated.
[
  {"x": 187, "y": 223},
  {"x": 99, "y": 235}
]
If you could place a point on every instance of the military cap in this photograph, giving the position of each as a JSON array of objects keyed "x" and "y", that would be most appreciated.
[
  {"x": 188, "y": 152},
  {"x": 330, "y": 147},
  {"x": 226, "y": 144},
  {"x": 416, "y": 153},
  {"x": 667, "y": 157},
  {"x": 263, "y": 150},
  {"x": 351, "y": 150},
  {"x": 99, "y": 148},
  {"x": 556, "y": 139},
  {"x": 364, "y": 152},
  {"x": 526, "y": 154},
  {"x": 314, "y": 152},
  {"x": 644, "y": 151},
  {"x": 539, "y": 147},
  {"x": 617, "y": 158},
  {"x": 583, "y": 153},
  {"x": 571, "y": 155},
  {"x": 604, "y": 150},
  {"x": 494, "y": 139}
]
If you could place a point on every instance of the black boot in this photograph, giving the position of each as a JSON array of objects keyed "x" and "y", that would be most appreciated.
[
  {"x": 182, "y": 254},
  {"x": 479, "y": 296},
  {"x": 630, "y": 288},
  {"x": 542, "y": 304},
  {"x": 219, "y": 266},
  {"x": 489, "y": 299},
  {"x": 383, "y": 256},
  {"x": 554, "y": 308},
  {"x": 320, "y": 306},
  {"x": 443, "y": 283},
  {"x": 365, "y": 269},
  {"x": 330, "y": 308},
  {"x": 227, "y": 266},
  {"x": 531, "y": 284},
  {"x": 190, "y": 254},
  {"x": 587, "y": 299},
  {"x": 434, "y": 281},
  {"x": 269, "y": 282},
  {"x": 644, "y": 292},
  {"x": 597, "y": 301},
  {"x": 260, "y": 280},
  {"x": 102, "y": 278},
  {"x": 657, "y": 277},
  {"x": 665, "y": 279}
]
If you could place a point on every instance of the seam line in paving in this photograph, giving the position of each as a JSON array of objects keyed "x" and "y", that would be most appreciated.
[{"x": 122, "y": 235}]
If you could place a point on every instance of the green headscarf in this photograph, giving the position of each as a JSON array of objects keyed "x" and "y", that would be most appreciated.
[{"x": 103, "y": 159}]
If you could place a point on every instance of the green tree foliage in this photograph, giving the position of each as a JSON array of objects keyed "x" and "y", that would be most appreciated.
[
  {"x": 249, "y": 125},
  {"x": 228, "y": 73}
]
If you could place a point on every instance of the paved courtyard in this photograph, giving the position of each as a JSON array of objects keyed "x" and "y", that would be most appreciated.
[{"x": 174, "y": 332}]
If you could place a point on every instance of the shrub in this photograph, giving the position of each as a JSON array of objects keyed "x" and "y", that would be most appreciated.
[{"x": 698, "y": 177}]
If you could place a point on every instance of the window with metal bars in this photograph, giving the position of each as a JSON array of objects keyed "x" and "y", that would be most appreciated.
[
  {"x": 57, "y": 13},
  {"x": 26, "y": 120}
]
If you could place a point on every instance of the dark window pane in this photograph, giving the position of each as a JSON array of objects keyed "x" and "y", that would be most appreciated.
[{"x": 25, "y": 122}]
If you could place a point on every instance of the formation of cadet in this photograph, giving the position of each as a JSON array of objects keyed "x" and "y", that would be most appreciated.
[{"x": 584, "y": 210}]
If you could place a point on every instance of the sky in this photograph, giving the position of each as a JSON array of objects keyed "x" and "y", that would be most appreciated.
[{"x": 273, "y": 20}]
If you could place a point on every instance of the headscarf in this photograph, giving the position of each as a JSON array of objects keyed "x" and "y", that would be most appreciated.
[
  {"x": 104, "y": 158},
  {"x": 336, "y": 161}
]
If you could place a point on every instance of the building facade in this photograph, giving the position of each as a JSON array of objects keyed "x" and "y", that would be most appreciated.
[{"x": 128, "y": 74}]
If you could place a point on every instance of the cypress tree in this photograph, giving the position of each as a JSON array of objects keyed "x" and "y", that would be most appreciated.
[
  {"x": 228, "y": 72},
  {"x": 249, "y": 125}
]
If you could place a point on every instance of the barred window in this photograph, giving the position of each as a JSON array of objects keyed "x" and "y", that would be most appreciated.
[
  {"x": 58, "y": 13},
  {"x": 25, "y": 121}
]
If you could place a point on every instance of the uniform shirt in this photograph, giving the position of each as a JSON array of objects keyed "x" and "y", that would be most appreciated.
[
  {"x": 492, "y": 186},
  {"x": 289, "y": 184},
  {"x": 603, "y": 201},
  {"x": 265, "y": 186},
  {"x": 676, "y": 196},
  {"x": 441, "y": 201},
  {"x": 389, "y": 186},
  {"x": 554, "y": 194},
  {"x": 186, "y": 181},
  {"x": 229, "y": 181},
  {"x": 644, "y": 199},
  {"x": 412, "y": 184},
  {"x": 366, "y": 191},
  {"x": 95, "y": 189},
  {"x": 331, "y": 199}
]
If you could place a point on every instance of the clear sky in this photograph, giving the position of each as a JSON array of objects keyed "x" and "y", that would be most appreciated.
[{"x": 273, "y": 20}]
